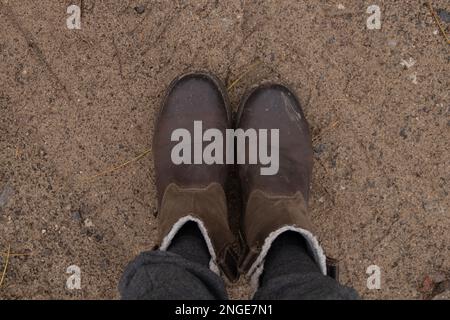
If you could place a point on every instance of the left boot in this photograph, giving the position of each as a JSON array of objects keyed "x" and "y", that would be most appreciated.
[{"x": 194, "y": 192}]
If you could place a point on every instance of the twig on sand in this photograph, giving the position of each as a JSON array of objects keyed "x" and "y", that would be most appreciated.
[
  {"x": 438, "y": 21},
  {"x": 253, "y": 66},
  {"x": 115, "y": 168},
  {"x": 5, "y": 268},
  {"x": 15, "y": 254}
]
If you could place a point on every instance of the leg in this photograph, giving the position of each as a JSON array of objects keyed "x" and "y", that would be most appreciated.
[
  {"x": 182, "y": 272},
  {"x": 291, "y": 273}
]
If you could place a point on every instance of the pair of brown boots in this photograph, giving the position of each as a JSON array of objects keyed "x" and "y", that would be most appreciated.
[{"x": 195, "y": 192}]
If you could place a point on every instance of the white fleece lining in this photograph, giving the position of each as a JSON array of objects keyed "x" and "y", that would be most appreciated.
[
  {"x": 257, "y": 267},
  {"x": 177, "y": 226}
]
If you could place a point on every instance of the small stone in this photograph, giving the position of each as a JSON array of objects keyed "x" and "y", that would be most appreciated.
[
  {"x": 76, "y": 215},
  {"x": 88, "y": 223},
  {"x": 413, "y": 78},
  {"x": 98, "y": 237},
  {"x": 5, "y": 195},
  {"x": 43, "y": 231},
  {"x": 403, "y": 133},
  {"x": 331, "y": 40},
  {"x": 139, "y": 9},
  {"x": 319, "y": 149},
  {"x": 443, "y": 15},
  {"x": 408, "y": 63},
  {"x": 272, "y": 57},
  {"x": 333, "y": 162},
  {"x": 340, "y": 6},
  {"x": 370, "y": 184},
  {"x": 438, "y": 277},
  {"x": 392, "y": 43}
]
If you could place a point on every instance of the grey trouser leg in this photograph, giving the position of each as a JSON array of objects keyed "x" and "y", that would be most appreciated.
[
  {"x": 309, "y": 286},
  {"x": 290, "y": 273},
  {"x": 162, "y": 275}
]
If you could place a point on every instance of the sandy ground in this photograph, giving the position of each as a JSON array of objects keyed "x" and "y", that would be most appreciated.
[{"x": 73, "y": 103}]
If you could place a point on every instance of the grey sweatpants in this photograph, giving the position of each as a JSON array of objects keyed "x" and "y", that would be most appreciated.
[{"x": 161, "y": 275}]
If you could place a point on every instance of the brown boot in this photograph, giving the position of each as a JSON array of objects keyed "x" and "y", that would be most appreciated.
[
  {"x": 276, "y": 203},
  {"x": 193, "y": 192}
]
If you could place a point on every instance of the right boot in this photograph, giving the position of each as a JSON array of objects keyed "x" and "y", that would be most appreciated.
[
  {"x": 193, "y": 192},
  {"x": 277, "y": 203}
]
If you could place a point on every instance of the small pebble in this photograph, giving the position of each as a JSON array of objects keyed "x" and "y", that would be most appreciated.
[
  {"x": 319, "y": 149},
  {"x": 5, "y": 195},
  {"x": 443, "y": 15},
  {"x": 331, "y": 40},
  {"x": 76, "y": 215},
  {"x": 438, "y": 277},
  {"x": 413, "y": 78},
  {"x": 403, "y": 133},
  {"x": 139, "y": 9},
  {"x": 392, "y": 43},
  {"x": 88, "y": 223},
  {"x": 408, "y": 63}
]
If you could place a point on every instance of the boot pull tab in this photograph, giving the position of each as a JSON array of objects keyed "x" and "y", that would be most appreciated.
[
  {"x": 332, "y": 268},
  {"x": 228, "y": 263}
]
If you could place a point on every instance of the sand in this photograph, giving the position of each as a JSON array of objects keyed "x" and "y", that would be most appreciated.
[{"x": 74, "y": 103}]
